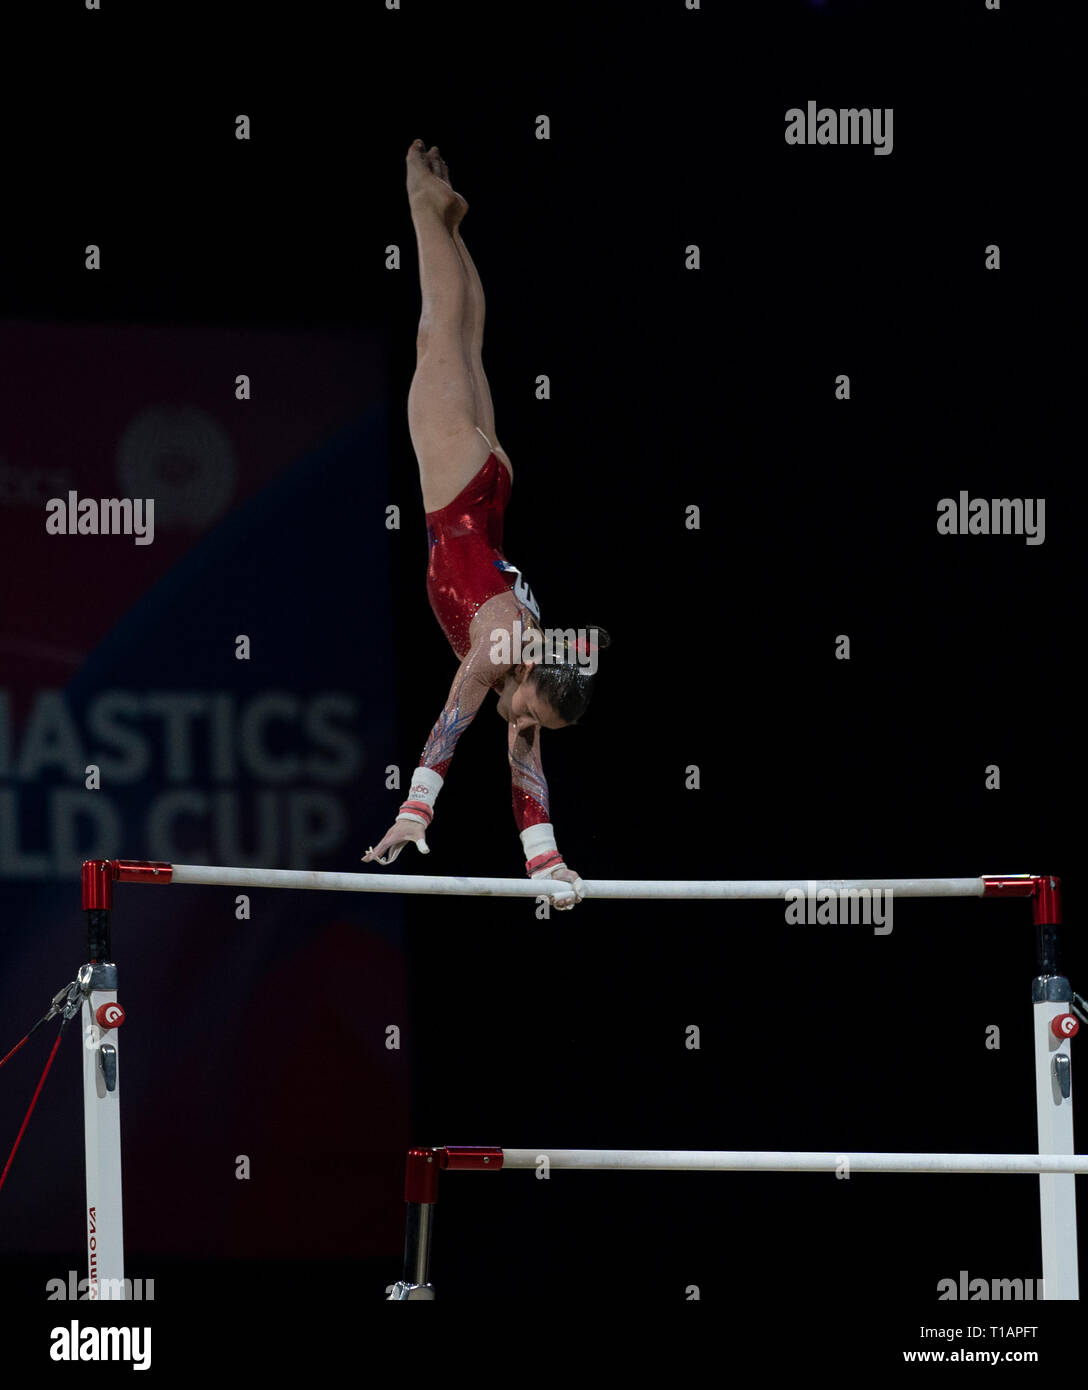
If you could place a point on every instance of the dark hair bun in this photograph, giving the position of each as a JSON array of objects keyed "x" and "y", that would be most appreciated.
[
  {"x": 565, "y": 680},
  {"x": 596, "y": 640}
]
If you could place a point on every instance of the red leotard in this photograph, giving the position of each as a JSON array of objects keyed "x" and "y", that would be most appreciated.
[
  {"x": 466, "y": 568},
  {"x": 465, "y": 563}
]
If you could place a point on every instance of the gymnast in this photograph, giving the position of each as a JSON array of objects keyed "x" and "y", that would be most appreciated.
[{"x": 475, "y": 592}]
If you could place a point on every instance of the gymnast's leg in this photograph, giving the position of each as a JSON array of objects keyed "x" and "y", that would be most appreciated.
[
  {"x": 445, "y": 402},
  {"x": 474, "y": 341}
]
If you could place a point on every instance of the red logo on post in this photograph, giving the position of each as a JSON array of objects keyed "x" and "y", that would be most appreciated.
[{"x": 110, "y": 1015}]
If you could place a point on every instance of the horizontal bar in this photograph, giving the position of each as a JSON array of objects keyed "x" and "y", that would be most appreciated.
[
  {"x": 594, "y": 888},
  {"x": 733, "y": 1161},
  {"x": 361, "y": 883}
]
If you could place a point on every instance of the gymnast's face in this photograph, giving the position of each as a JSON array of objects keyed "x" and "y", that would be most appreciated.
[{"x": 521, "y": 704}]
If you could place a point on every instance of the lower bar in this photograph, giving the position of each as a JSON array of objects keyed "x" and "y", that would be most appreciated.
[
  {"x": 736, "y": 1161},
  {"x": 594, "y": 888}
]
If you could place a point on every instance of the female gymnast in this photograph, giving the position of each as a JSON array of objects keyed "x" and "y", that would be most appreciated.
[{"x": 475, "y": 592}]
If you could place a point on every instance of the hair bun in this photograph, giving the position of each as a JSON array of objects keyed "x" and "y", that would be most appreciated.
[
  {"x": 565, "y": 677},
  {"x": 583, "y": 648}
]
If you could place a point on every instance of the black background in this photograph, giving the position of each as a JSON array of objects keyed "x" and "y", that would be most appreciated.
[{"x": 671, "y": 388}]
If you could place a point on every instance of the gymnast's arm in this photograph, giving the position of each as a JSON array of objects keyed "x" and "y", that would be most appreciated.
[
  {"x": 475, "y": 677},
  {"x": 530, "y": 793}
]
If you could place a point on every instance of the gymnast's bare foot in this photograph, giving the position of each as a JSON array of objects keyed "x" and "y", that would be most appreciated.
[{"x": 429, "y": 184}]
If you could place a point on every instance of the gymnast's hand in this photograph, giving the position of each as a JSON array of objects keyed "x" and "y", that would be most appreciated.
[
  {"x": 400, "y": 833},
  {"x": 565, "y": 875}
]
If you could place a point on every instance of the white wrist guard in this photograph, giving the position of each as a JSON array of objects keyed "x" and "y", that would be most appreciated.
[
  {"x": 419, "y": 806},
  {"x": 541, "y": 855}
]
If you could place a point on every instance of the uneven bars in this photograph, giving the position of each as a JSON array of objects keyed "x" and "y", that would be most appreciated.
[
  {"x": 424, "y": 1166},
  {"x": 756, "y": 1161},
  {"x": 594, "y": 888},
  {"x": 139, "y": 871}
]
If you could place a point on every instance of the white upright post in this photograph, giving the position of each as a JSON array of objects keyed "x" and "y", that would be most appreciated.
[
  {"x": 102, "y": 1134},
  {"x": 1055, "y": 1024}
]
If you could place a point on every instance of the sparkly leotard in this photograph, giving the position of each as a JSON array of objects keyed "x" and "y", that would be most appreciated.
[
  {"x": 465, "y": 563},
  {"x": 466, "y": 568}
]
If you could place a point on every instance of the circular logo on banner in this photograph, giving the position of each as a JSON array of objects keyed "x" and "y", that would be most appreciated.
[{"x": 183, "y": 458}]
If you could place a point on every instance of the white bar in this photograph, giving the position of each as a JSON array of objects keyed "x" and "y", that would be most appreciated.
[
  {"x": 594, "y": 888},
  {"x": 738, "y": 1161}
]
